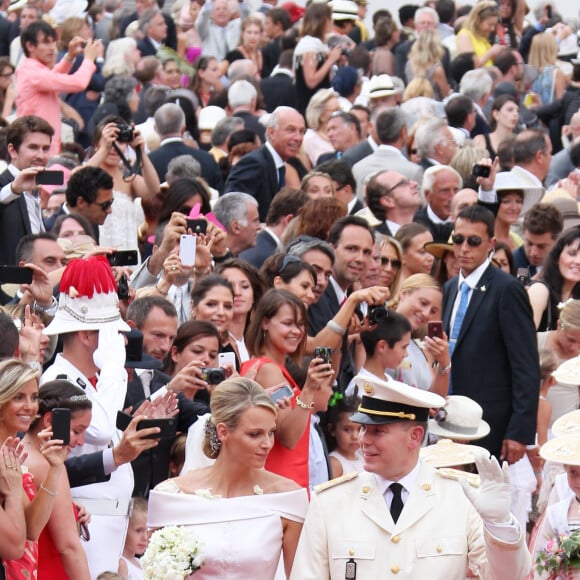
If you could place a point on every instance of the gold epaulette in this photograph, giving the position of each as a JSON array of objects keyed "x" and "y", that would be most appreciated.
[{"x": 336, "y": 481}]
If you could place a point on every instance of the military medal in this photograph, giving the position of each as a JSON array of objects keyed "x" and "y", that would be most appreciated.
[{"x": 350, "y": 571}]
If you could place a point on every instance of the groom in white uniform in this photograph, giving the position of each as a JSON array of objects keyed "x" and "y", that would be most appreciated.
[{"x": 402, "y": 519}]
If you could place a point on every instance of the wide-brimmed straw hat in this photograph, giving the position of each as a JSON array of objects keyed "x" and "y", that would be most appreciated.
[
  {"x": 565, "y": 450},
  {"x": 460, "y": 419},
  {"x": 447, "y": 453},
  {"x": 568, "y": 424},
  {"x": 568, "y": 373}
]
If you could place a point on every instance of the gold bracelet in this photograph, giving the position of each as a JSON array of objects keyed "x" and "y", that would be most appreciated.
[
  {"x": 161, "y": 291},
  {"x": 53, "y": 493},
  {"x": 303, "y": 405}
]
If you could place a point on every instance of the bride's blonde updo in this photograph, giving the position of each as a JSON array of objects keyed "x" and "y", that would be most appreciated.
[
  {"x": 228, "y": 401},
  {"x": 570, "y": 315}
]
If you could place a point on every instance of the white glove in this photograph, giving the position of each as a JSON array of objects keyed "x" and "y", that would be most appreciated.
[
  {"x": 111, "y": 349},
  {"x": 492, "y": 499}
]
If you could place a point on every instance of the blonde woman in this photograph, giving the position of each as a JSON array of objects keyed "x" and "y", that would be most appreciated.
[
  {"x": 391, "y": 262},
  {"x": 473, "y": 37},
  {"x": 250, "y": 45},
  {"x": 320, "y": 108},
  {"x": 425, "y": 63},
  {"x": 551, "y": 82},
  {"x": 244, "y": 515},
  {"x": 418, "y": 87}
]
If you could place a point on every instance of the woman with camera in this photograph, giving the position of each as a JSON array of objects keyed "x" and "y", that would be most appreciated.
[
  {"x": 427, "y": 365},
  {"x": 131, "y": 184},
  {"x": 276, "y": 333}
]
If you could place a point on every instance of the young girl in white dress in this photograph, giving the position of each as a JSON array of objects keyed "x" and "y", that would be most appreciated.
[
  {"x": 135, "y": 542},
  {"x": 346, "y": 456},
  {"x": 248, "y": 519}
]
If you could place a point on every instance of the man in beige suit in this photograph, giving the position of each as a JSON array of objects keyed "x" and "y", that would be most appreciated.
[
  {"x": 400, "y": 518},
  {"x": 391, "y": 131}
]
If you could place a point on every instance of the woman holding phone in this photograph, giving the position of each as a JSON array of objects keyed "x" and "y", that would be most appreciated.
[{"x": 278, "y": 332}]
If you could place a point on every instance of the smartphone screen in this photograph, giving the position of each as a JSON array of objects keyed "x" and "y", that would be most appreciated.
[
  {"x": 187, "y": 246},
  {"x": 48, "y": 177},
  {"x": 435, "y": 329},
  {"x": 285, "y": 391},
  {"x": 123, "y": 258},
  {"x": 15, "y": 275}
]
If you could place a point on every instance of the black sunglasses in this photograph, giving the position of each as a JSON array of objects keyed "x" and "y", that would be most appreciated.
[
  {"x": 105, "y": 205},
  {"x": 472, "y": 241},
  {"x": 394, "y": 263}
]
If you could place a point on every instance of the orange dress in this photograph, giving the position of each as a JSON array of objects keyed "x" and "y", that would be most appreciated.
[{"x": 290, "y": 463}]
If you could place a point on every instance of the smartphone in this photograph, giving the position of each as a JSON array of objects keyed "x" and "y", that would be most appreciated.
[
  {"x": 168, "y": 428},
  {"x": 50, "y": 177},
  {"x": 123, "y": 258},
  {"x": 435, "y": 329},
  {"x": 323, "y": 352},
  {"x": 15, "y": 275},
  {"x": 226, "y": 359},
  {"x": 61, "y": 424},
  {"x": 282, "y": 393},
  {"x": 197, "y": 226},
  {"x": 123, "y": 420},
  {"x": 187, "y": 245},
  {"x": 480, "y": 170}
]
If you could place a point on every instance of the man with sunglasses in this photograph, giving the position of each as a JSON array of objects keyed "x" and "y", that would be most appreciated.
[
  {"x": 89, "y": 193},
  {"x": 492, "y": 338}
]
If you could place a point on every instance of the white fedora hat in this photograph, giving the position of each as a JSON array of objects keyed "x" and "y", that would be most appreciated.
[{"x": 460, "y": 419}]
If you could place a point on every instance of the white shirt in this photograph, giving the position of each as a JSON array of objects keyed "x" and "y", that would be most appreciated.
[
  {"x": 435, "y": 218},
  {"x": 393, "y": 226},
  {"x": 278, "y": 161},
  {"x": 340, "y": 293},
  {"x": 317, "y": 467},
  {"x": 408, "y": 481},
  {"x": 472, "y": 281}
]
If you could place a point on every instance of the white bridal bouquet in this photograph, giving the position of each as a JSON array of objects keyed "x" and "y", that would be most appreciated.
[{"x": 173, "y": 553}]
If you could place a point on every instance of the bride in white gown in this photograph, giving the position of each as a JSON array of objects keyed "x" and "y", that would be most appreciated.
[{"x": 245, "y": 517}]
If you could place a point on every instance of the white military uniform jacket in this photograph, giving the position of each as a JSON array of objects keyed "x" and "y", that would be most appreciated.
[{"x": 437, "y": 536}]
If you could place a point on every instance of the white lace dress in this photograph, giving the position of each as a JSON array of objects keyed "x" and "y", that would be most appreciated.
[
  {"x": 120, "y": 228},
  {"x": 241, "y": 536}
]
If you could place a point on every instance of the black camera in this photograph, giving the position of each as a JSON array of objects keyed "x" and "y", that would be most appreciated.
[
  {"x": 213, "y": 376},
  {"x": 523, "y": 276},
  {"x": 125, "y": 133},
  {"x": 123, "y": 288},
  {"x": 377, "y": 314}
]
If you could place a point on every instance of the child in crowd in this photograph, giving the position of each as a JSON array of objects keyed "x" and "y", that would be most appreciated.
[
  {"x": 177, "y": 455},
  {"x": 343, "y": 433},
  {"x": 385, "y": 348},
  {"x": 548, "y": 364},
  {"x": 135, "y": 542}
]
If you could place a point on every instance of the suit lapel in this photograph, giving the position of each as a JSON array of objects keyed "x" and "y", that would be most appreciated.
[
  {"x": 449, "y": 302},
  {"x": 272, "y": 173},
  {"x": 373, "y": 506},
  {"x": 24, "y": 214},
  {"x": 420, "y": 501}
]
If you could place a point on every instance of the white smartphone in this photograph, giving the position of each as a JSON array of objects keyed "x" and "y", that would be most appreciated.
[
  {"x": 227, "y": 359},
  {"x": 187, "y": 246}
]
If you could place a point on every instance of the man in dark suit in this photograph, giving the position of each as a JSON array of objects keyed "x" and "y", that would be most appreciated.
[
  {"x": 435, "y": 143},
  {"x": 352, "y": 240},
  {"x": 494, "y": 354},
  {"x": 170, "y": 124},
  {"x": 278, "y": 89},
  {"x": 344, "y": 183},
  {"x": 262, "y": 173},
  {"x": 477, "y": 85},
  {"x": 143, "y": 6},
  {"x": 343, "y": 130},
  {"x": 28, "y": 144},
  {"x": 440, "y": 184},
  {"x": 154, "y": 28},
  {"x": 277, "y": 22},
  {"x": 283, "y": 209},
  {"x": 242, "y": 99}
]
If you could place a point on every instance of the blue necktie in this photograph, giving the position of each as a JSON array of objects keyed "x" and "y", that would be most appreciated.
[
  {"x": 281, "y": 176},
  {"x": 459, "y": 316}
]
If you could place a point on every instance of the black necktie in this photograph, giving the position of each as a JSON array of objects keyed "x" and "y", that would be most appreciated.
[
  {"x": 397, "y": 503},
  {"x": 281, "y": 176}
]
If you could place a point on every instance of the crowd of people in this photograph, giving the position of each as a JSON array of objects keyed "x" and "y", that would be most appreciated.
[{"x": 305, "y": 287}]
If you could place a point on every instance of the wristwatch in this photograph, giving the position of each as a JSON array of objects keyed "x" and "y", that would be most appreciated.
[{"x": 47, "y": 310}]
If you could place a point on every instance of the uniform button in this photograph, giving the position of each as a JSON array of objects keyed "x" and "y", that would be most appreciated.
[
  {"x": 439, "y": 549},
  {"x": 366, "y": 489},
  {"x": 351, "y": 552},
  {"x": 395, "y": 569},
  {"x": 426, "y": 487},
  {"x": 395, "y": 539}
]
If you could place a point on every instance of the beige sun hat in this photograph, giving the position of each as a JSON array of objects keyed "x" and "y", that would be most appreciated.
[
  {"x": 568, "y": 424},
  {"x": 565, "y": 450},
  {"x": 447, "y": 453},
  {"x": 460, "y": 419},
  {"x": 568, "y": 373}
]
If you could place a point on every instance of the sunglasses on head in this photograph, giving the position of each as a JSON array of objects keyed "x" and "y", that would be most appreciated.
[
  {"x": 472, "y": 241},
  {"x": 287, "y": 261},
  {"x": 394, "y": 262},
  {"x": 105, "y": 205}
]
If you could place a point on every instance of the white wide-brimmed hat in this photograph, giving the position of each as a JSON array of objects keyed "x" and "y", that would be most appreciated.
[
  {"x": 568, "y": 424},
  {"x": 460, "y": 419},
  {"x": 565, "y": 450},
  {"x": 391, "y": 401},
  {"x": 447, "y": 453},
  {"x": 509, "y": 181},
  {"x": 88, "y": 298},
  {"x": 568, "y": 373},
  {"x": 382, "y": 86}
]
